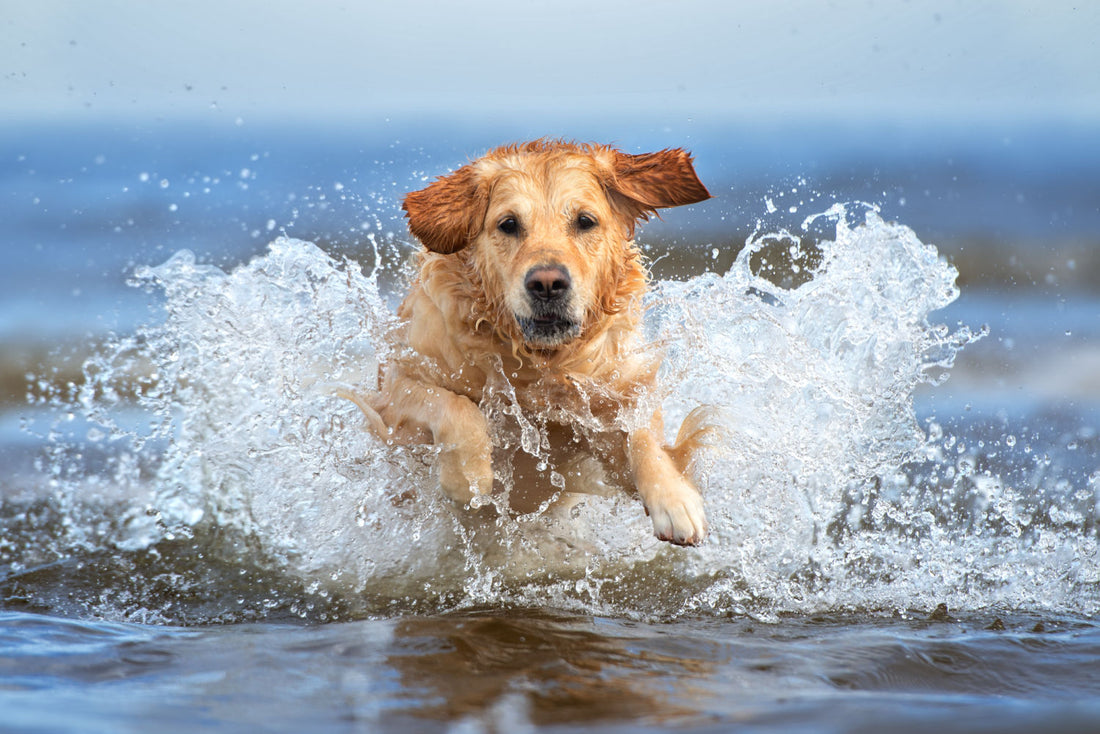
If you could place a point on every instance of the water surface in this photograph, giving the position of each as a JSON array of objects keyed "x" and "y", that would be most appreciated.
[{"x": 194, "y": 531}]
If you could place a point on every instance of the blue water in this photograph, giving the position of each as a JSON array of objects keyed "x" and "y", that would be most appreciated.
[
  {"x": 485, "y": 671},
  {"x": 83, "y": 205},
  {"x": 116, "y": 615}
]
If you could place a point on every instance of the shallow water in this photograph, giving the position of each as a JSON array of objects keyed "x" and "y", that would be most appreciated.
[
  {"x": 495, "y": 670},
  {"x": 903, "y": 491},
  {"x": 823, "y": 490}
]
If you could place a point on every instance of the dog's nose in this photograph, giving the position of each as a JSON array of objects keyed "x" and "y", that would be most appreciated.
[{"x": 547, "y": 282}]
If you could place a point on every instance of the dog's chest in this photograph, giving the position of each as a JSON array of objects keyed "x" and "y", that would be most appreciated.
[{"x": 562, "y": 398}]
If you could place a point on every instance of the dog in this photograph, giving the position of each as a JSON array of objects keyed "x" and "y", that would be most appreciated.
[{"x": 530, "y": 284}]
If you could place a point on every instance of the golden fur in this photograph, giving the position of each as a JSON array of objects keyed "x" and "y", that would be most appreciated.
[{"x": 530, "y": 281}]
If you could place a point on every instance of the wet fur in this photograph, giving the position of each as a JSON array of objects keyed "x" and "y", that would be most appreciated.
[{"x": 474, "y": 322}]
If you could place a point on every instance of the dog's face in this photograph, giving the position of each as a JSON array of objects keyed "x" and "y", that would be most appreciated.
[
  {"x": 548, "y": 244},
  {"x": 548, "y": 227}
]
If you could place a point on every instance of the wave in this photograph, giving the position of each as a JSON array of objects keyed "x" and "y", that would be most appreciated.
[{"x": 231, "y": 483}]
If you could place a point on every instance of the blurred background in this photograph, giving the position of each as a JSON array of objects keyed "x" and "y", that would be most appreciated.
[{"x": 131, "y": 130}]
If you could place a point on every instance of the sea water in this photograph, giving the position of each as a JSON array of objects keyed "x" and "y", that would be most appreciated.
[{"x": 195, "y": 530}]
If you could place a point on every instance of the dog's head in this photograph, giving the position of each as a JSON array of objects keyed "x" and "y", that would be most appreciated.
[{"x": 548, "y": 226}]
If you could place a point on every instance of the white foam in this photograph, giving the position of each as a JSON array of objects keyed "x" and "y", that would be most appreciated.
[{"x": 822, "y": 490}]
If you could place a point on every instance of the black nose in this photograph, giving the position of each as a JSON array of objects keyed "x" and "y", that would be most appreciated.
[{"x": 547, "y": 282}]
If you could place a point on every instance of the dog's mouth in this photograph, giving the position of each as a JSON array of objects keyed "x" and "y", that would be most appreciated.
[{"x": 548, "y": 330}]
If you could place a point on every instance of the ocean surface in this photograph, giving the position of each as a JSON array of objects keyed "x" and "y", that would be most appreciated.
[{"x": 896, "y": 327}]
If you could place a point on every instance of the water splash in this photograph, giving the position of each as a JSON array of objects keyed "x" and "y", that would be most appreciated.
[{"x": 823, "y": 490}]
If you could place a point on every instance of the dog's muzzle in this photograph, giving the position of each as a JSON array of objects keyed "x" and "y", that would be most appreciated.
[{"x": 549, "y": 295}]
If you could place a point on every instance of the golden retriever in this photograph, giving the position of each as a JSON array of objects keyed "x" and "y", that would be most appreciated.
[{"x": 530, "y": 282}]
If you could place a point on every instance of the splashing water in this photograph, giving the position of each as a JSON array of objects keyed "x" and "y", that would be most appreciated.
[{"x": 822, "y": 490}]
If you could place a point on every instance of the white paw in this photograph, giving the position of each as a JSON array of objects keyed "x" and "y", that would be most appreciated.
[{"x": 678, "y": 517}]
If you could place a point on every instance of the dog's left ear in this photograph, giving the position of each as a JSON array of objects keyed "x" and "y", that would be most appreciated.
[
  {"x": 653, "y": 180},
  {"x": 449, "y": 213}
]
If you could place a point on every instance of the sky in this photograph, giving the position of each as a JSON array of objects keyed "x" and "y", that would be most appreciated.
[{"x": 325, "y": 60}]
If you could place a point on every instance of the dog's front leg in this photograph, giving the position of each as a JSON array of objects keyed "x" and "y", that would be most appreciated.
[
  {"x": 458, "y": 428},
  {"x": 672, "y": 503}
]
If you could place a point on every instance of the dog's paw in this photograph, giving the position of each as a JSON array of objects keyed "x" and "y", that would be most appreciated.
[
  {"x": 465, "y": 460},
  {"x": 466, "y": 476},
  {"x": 678, "y": 516}
]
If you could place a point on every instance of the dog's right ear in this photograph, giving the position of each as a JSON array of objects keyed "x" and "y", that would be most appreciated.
[{"x": 449, "y": 213}]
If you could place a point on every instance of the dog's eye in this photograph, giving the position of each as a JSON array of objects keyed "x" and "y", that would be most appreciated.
[
  {"x": 585, "y": 222},
  {"x": 508, "y": 225}
]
